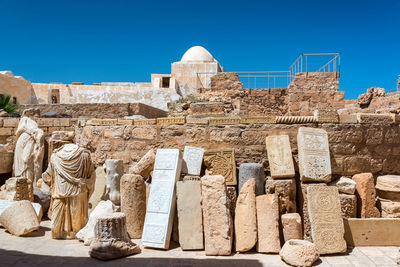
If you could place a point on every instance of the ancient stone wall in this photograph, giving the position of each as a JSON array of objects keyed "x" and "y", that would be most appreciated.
[{"x": 17, "y": 86}]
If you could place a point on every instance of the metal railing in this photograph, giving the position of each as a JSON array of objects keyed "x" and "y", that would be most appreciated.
[{"x": 264, "y": 79}]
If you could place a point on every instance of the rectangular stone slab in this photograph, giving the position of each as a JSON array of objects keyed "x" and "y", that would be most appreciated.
[
  {"x": 325, "y": 214},
  {"x": 221, "y": 162},
  {"x": 192, "y": 160},
  {"x": 160, "y": 206},
  {"x": 314, "y": 158},
  {"x": 190, "y": 215},
  {"x": 280, "y": 156},
  {"x": 372, "y": 231},
  {"x": 268, "y": 223}
]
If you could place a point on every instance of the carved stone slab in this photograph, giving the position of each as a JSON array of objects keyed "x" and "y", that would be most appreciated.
[
  {"x": 144, "y": 122},
  {"x": 6, "y": 161},
  {"x": 160, "y": 206},
  {"x": 221, "y": 162},
  {"x": 314, "y": 158},
  {"x": 326, "y": 116},
  {"x": 260, "y": 120},
  {"x": 124, "y": 122},
  {"x": 100, "y": 122},
  {"x": 280, "y": 156},
  {"x": 192, "y": 160},
  {"x": 224, "y": 120},
  {"x": 171, "y": 120},
  {"x": 324, "y": 210}
]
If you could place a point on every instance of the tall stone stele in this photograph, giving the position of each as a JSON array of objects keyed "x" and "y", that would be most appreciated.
[
  {"x": 280, "y": 156},
  {"x": 114, "y": 169},
  {"x": 29, "y": 150},
  {"x": 72, "y": 177}
]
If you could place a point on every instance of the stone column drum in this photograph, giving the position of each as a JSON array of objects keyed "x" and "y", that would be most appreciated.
[
  {"x": 252, "y": 170},
  {"x": 114, "y": 169},
  {"x": 133, "y": 203}
]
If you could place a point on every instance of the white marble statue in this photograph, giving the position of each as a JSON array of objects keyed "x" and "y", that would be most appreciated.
[
  {"x": 29, "y": 150},
  {"x": 71, "y": 176},
  {"x": 114, "y": 169}
]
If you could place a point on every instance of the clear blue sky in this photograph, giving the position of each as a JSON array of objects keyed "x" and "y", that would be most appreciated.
[{"x": 95, "y": 41}]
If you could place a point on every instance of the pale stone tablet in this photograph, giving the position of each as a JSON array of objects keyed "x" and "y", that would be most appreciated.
[
  {"x": 268, "y": 223},
  {"x": 280, "y": 156},
  {"x": 192, "y": 160}
]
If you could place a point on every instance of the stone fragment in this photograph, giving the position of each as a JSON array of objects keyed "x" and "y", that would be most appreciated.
[
  {"x": 388, "y": 187},
  {"x": 19, "y": 218},
  {"x": 43, "y": 198},
  {"x": 145, "y": 164},
  {"x": 286, "y": 191},
  {"x": 86, "y": 234},
  {"x": 345, "y": 185},
  {"x": 366, "y": 194},
  {"x": 231, "y": 195},
  {"x": 114, "y": 169},
  {"x": 292, "y": 227},
  {"x": 221, "y": 162},
  {"x": 36, "y": 206},
  {"x": 252, "y": 170},
  {"x": 192, "y": 160},
  {"x": 280, "y": 156},
  {"x": 189, "y": 214},
  {"x": 17, "y": 188},
  {"x": 268, "y": 223},
  {"x": 6, "y": 161},
  {"x": 160, "y": 209},
  {"x": 217, "y": 221},
  {"x": 327, "y": 228},
  {"x": 374, "y": 118},
  {"x": 99, "y": 188},
  {"x": 111, "y": 238},
  {"x": 314, "y": 158},
  {"x": 326, "y": 116},
  {"x": 191, "y": 178},
  {"x": 133, "y": 203},
  {"x": 246, "y": 217},
  {"x": 299, "y": 253},
  {"x": 348, "y": 205},
  {"x": 390, "y": 209}
]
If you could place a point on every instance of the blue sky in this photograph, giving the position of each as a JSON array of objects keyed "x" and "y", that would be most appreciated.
[{"x": 95, "y": 41}]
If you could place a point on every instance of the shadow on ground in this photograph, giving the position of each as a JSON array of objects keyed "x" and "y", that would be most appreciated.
[{"x": 17, "y": 258}]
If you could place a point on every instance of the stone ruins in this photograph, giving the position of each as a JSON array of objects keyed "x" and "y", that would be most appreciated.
[{"x": 203, "y": 163}]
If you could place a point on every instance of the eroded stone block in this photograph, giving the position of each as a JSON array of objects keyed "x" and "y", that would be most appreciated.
[
  {"x": 366, "y": 195},
  {"x": 292, "y": 227},
  {"x": 252, "y": 170},
  {"x": 221, "y": 162},
  {"x": 286, "y": 191},
  {"x": 192, "y": 160},
  {"x": 19, "y": 218},
  {"x": 348, "y": 205},
  {"x": 268, "y": 223}
]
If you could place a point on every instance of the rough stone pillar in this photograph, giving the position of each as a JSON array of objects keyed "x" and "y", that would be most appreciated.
[
  {"x": 217, "y": 220},
  {"x": 133, "y": 203},
  {"x": 20, "y": 218},
  {"x": 268, "y": 224},
  {"x": 252, "y": 170},
  {"x": 366, "y": 194},
  {"x": 292, "y": 228},
  {"x": 246, "y": 218},
  {"x": 111, "y": 238}
]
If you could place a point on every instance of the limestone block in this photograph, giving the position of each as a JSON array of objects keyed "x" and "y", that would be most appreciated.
[
  {"x": 99, "y": 188},
  {"x": 133, "y": 203},
  {"x": 326, "y": 116},
  {"x": 217, "y": 221},
  {"x": 324, "y": 210},
  {"x": 366, "y": 194},
  {"x": 268, "y": 223},
  {"x": 114, "y": 169},
  {"x": 345, "y": 185},
  {"x": 36, "y": 206},
  {"x": 252, "y": 170},
  {"x": 299, "y": 253},
  {"x": 280, "y": 156},
  {"x": 388, "y": 187},
  {"x": 192, "y": 160},
  {"x": 246, "y": 217},
  {"x": 221, "y": 162},
  {"x": 348, "y": 205},
  {"x": 111, "y": 238},
  {"x": 19, "y": 218},
  {"x": 86, "y": 234},
  {"x": 292, "y": 227},
  {"x": 17, "y": 188},
  {"x": 314, "y": 158},
  {"x": 160, "y": 209},
  {"x": 374, "y": 118},
  {"x": 145, "y": 164},
  {"x": 286, "y": 191},
  {"x": 390, "y": 209},
  {"x": 231, "y": 195},
  {"x": 189, "y": 214},
  {"x": 6, "y": 161}
]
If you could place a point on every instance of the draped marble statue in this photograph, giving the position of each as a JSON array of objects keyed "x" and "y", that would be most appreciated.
[
  {"x": 71, "y": 176},
  {"x": 29, "y": 150}
]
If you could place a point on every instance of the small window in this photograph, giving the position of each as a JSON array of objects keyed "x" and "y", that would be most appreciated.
[
  {"x": 165, "y": 82},
  {"x": 14, "y": 100},
  {"x": 55, "y": 96}
]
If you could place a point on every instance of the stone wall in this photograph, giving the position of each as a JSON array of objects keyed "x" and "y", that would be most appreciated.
[
  {"x": 17, "y": 86},
  {"x": 100, "y": 110}
]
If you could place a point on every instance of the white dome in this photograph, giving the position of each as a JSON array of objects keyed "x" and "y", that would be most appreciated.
[{"x": 197, "y": 54}]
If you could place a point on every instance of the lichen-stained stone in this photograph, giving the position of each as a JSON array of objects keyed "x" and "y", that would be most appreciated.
[
  {"x": 345, "y": 185},
  {"x": 192, "y": 160},
  {"x": 314, "y": 158},
  {"x": 133, "y": 203},
  {"x": 388, "y": 187},
  {"x": 286, "y": 191},
  {"x": 221, "y": 162},
  {"x": 348, "y": 205},
  {"x": 366, "y": 194},
  {"x": 268, "y": 223},
  {"x": 252, "y": 170},
  {"x": 292, "y": 227},
  {"x": 246, "y": 218},
  {"x": 280, "y": 156},
  {"x": 190, "y": 215},
  {"x": 327, "y": 227},
  {"x": 19, "y": 218},
  {"x": 218, "y": 229},
  {"x": 160, "y": 208},
  {"x": 145, "y": 164},
  {"x": 300, "y": 253}
]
